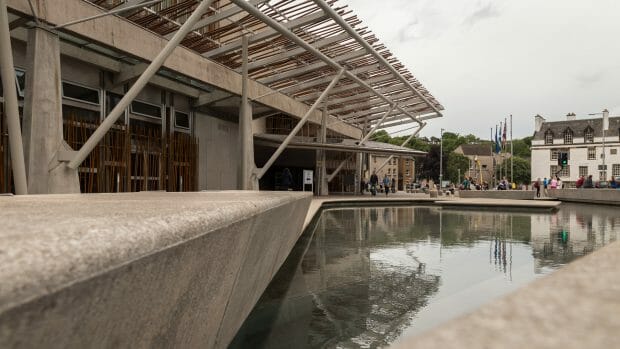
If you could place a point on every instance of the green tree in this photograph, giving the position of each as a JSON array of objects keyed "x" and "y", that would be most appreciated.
[
  {"x": 522, "y": 170},
  {"x": 454, "y": 163}
]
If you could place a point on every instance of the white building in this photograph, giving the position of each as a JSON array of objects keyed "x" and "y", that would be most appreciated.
[{"x": 583, "y": 141}]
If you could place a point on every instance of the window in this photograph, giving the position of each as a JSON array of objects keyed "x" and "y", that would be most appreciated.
[
  {"x": 548, "y": 137},
  {"x": 484, "y": 166},
  {"x": 613, "y": 151},
  {"x": 20, "y": 77},
  {"x": 181, "y": 119},
  {"x": 592, "y": 153},
  {"x": 80, "y": 93},
  {"x": 615, "y": 170},
  {"x": 568, "y": 136},
  {"x": 583, "y": 171},
  {"x": 558, "y": 171},
  {"x": 146, "y": 109},
  {"x": 555, "y": 153},
  {"x": 588, "y": 135},
  {"x": 407, "y": 173}
]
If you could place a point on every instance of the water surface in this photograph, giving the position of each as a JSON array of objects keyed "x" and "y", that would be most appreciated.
[{"x": 366, "y": 277}]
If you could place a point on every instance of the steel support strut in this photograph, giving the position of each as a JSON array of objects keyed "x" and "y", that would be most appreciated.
[
  {"x": 336, "y": 17},
  {"x": 330, "y": 62},
  {"x": 105, "y": 126},
  {"x": 260, "y": 173},
  {"x": 402, "y": 145},
  {"x": 333, "y": 174},
  {"x": 10, "y": 104}
]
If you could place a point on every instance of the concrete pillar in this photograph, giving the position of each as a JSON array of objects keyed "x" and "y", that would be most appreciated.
[
  {"x": 44, "y": 145},
  {"x": 246, "y": 178},
  {"x": 322, "y": 183}
]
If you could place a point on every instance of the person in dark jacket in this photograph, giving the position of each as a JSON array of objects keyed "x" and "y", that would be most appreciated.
[
  {"x": 374, "y": 181},
  {"x": 588, "y": 183},
  {"x": 287, "y": 179}
]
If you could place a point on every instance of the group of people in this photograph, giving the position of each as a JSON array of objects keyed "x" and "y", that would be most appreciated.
[
  {"x": 583, "y": 182},
  {"x": 546, "y": 183},
  {"x": 373, "y": 185}
]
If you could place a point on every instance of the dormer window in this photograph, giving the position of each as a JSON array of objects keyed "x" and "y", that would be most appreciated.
[
  {"x": 548, "y": 137},
  {"x": 568, "y": 136},
  {"x": 588, "y": 135}
]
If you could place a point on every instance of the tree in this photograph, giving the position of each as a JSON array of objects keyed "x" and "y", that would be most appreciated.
[
  {"x": 454, "y": 163},
  {"x": 521, "y": 170}
]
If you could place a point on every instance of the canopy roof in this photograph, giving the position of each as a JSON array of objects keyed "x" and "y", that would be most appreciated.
[{"x": 285, "y": 66}]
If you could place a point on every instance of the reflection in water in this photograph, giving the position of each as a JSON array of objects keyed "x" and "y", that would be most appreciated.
[{"x": 365, "y": 277}]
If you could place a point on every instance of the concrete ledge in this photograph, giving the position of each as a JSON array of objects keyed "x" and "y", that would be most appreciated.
[
  {"x": 498, "y": 194},
  {"x": 139, "y": 270},
  {"x": 501, "y": 204},
  {"x": 594, "y": 196},
  {"x": 575, "y": 307}
]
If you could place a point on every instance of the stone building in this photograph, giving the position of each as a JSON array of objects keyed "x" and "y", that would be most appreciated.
[
  {"x": 482, "y": 161},
  {"x": 584, "y": 142}
]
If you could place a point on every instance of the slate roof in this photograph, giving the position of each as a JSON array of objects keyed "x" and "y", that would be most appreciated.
[
  {"x": 476, "y": 149},
  {"x": 578, "y": 127}
]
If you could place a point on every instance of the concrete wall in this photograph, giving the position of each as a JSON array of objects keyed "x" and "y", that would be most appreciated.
[
  {"x": 139, "y": 270},
  {"x": 595, "y": 196},
  {"x": 218, "y": 152}
]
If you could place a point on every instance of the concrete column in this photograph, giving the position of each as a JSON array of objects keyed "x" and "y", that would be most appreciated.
[
  {"x": 320, "y": 166},
  {"x": 44, "y": 145},
  {"x": 246, "y": 178}
]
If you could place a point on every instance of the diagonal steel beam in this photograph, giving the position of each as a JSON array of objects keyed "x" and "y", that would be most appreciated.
[
  {"x": 260, "y": 173},
  {"x": 361, "y": 142},
  {"x": 364, "y": 104},
  {"x": 347, "y": 27},
  {"x": 318, "y": 82},
  {"x": 402, "y": 145},
  {"x": 267, "y": 33},
  {"x": 10, "y": 103},
  {"x": 119, "y": 109}
]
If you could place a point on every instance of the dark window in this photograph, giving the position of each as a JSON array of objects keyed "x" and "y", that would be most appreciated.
[
  {"x": 80, "y": 93},
  {"x": 20, "y": 76},
  {"x": 181, "y": 119},
  {"x": 146, "y": 109},
  {"x": 113, "y": 99}
]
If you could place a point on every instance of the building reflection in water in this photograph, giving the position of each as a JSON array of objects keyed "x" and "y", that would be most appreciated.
[{"x": 364, "y": 276}]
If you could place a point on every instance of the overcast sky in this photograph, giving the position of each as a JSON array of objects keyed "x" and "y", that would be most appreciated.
[{"x": 484, "y": 60}]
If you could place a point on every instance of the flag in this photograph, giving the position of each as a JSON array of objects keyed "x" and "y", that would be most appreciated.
[
  {"x": 497, "y": 145},
  {"x": 504, "y": 135}
]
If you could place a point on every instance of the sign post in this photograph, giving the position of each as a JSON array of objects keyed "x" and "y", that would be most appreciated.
[{"x": 308, "y": 180}]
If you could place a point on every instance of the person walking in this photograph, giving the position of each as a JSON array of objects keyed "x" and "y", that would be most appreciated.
[
  {"x": 553, "y": 184},
  {"x": 537, "y": 187},
  {"x": 545, "y": 185},
  {"x": 588, "y": 183},
  {"x": 394, "y": 185},
  {"x": 374, "y": 181},
  {"x": 386, "y": 185}
]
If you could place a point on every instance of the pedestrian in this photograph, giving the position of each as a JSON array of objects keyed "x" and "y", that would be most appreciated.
[
  {"x": 579, "y": 182},
  {"x": 588, "y": 182},
  {"x": 537, "y": 187},
  {"x": 386, "y": 185},
  {"x": 560, "y": 183},
  {"x": 553, "y": 184},
  {"x": 394, "y": 185},
  {"x": 545, "y": 185},
  {"x": 374, "y": 181},
  {"x": 287, "y": 179}
]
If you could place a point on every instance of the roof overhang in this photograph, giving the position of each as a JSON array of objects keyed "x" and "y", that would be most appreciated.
[{"x": 344, "y": 145}]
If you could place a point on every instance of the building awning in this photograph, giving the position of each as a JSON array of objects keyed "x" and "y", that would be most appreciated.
[{"x": 344, "y": 145}]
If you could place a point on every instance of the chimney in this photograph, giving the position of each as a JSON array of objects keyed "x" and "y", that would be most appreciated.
[
  {"x": 538, "y": 121},
  {"x": 571, "y": 116}
]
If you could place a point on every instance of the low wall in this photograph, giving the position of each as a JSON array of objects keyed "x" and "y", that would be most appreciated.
[
  {"x": 594, "y": 196},
  {"x": 498, "y": 194},
  {"x": 139, "y": 270}
]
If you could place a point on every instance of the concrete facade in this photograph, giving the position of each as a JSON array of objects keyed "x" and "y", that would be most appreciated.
[{"x": 139, "y": 270}]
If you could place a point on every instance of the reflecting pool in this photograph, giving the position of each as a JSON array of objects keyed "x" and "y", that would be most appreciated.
[{"x": 367, "y": 277}]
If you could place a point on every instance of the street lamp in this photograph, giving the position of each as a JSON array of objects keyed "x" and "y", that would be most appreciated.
[{"x": 441, "y": 159}]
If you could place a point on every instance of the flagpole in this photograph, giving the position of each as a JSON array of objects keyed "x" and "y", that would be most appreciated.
[{"x": 511, "y": 155}]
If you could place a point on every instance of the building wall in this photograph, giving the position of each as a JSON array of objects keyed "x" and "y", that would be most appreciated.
[
  {"x": 390, "y": 169},
  {"x": 578, "y": 157},
  {"x": 217, "y": 152}
]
